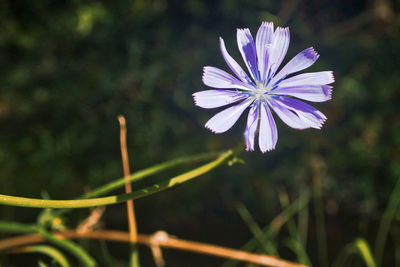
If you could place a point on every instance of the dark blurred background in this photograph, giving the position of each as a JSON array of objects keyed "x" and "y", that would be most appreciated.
[{"x": 68, "y": 68}]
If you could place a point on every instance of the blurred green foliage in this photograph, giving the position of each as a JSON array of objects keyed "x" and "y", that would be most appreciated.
[{"x": 68, "y": 68}]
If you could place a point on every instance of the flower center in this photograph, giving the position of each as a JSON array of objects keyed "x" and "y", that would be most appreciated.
[{"x": 260, "y": 91}]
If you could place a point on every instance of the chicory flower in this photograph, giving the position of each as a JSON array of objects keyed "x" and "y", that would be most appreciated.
[{"x": 266, "y": 88}]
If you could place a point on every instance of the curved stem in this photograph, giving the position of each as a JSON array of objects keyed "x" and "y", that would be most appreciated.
[
  {"x": 69, "y": 246},
  {"x": 77, "y": 251},
  {"x": 139, "y": 175},
  {"x": 84, "y": 203},
  {"x": 53, "y": 253},
  {"x": 166, "y": 242}
]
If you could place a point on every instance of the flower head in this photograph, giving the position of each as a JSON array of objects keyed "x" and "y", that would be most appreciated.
[{"x": 266, "y": 88}]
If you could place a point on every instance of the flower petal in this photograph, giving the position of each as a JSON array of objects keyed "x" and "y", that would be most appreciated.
[
  {"x": 218, "y": 78},
  {"x": 314, "y": 93},
  {"x": 232, "y": 64},
  {"x": 310, "y": 115},
  {"x": 300, "y": 62},
  {"x": 251, "y": 127},
  {"x": 311, "y": 78},
  {"x": 224, "y": 120},
  {"x": 263, "y": 43},
  {"x": 268, "y": 136},
  {"x": 287, "y": 116},
  {"x": 217, "y": 98},
  {"x": 278, "y": 49},
  {"x": 248, "y": 50}
]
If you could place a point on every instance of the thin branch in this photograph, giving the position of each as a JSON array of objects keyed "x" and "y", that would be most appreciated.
[
  {"x": 134, "y": 257},
  {"x": 141, "y": 174},
  {"x": 168, "y": 242},
  {"x": 144, "y": 173},
  {"x": 128, "y": 186},
  {"x": 92, "y": 220},
  {"x": 93, "y": 202}
]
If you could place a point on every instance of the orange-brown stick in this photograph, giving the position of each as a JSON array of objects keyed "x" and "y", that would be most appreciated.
[
  {"x": 168, "y": 242},
  {"x": 128, "y": 186}
]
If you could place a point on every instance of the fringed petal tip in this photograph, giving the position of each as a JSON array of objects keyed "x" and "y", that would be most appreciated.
[
  {"x": 211, "y": 129},
  {"x": 197, "y": 100},
  {"x": 249, "y": 148},
  {"x": 321, "y": 118},
  {"x": 330, "y": 76},
  {"x": 320, "y": 125},
  {"x": 267, "y": 24},
  {"x": 268, "y": 150},
  {"x": 284, "y": 29},
  {"x": 207, "y": 70},
  {"x": 327, "y": 89},
  {"x": 311, "y": 54},
  {"x": 333, "y": 77},
  {"x": 245, "y": 30},
  {"x": 204, "y": 75}
]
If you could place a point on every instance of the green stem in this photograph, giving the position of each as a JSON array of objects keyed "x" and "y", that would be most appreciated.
[
  {"x": 53, "y": 253},
  {"x": 71, "y": 247},
  {"x": 84, "y": 203},
  {"x": 134, "y": 256},
  {"x": 14, "y": 227},
  {"x": 139, "y": 175},
  {"x": 77, "y": 251}
]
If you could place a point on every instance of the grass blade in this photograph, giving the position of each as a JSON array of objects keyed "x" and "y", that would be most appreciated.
[
  {"x": 273, "y": 228},
  {"x": 384, "y": 226},
  {"x": 257, "y": 232}
]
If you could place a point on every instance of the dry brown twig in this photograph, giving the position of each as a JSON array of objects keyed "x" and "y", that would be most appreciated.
[
  {"x": 92, "y": 220},
  {"x": 128, "y": 186},
  {"x": 166, "y": 241}
]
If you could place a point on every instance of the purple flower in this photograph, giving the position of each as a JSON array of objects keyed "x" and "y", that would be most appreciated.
[{"x": 265, "y": 88}]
